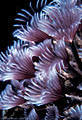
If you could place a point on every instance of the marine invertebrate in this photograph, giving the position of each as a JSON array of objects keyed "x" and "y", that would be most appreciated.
[
  {"x": 9, "y": 98},
  {"x": 38, "y": 65},
  {"x": 32, "y": 115},
  {"x": 56, "y": 21},
  {"x": 75, "y": 113},
  {"x": 11, "y": 65},
  {"x": 52, "y": 113}
]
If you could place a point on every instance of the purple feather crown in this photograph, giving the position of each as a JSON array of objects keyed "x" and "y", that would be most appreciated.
[{"x": 39, "y": 65}]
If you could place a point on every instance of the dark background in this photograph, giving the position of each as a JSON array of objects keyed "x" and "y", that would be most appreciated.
[{"x": 8, "y": 12}]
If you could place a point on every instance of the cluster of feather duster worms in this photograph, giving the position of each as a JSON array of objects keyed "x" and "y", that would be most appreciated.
[{"x": 43, "y": 69}]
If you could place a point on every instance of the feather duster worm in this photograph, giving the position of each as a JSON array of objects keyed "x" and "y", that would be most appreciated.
[
  {"x": 52, "y": 113},
  {"x": 34, "y": 67},
  {"x": 32, "y": 115},
  {"x": 56, "y": 21},
  {"x": 10, "y": 98},
  {"x": 16, "y": 65},
  {"x": 75, "y": 113},
  {"x": 62, "y": 20},
  {"x": 46, "y": 86}
]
